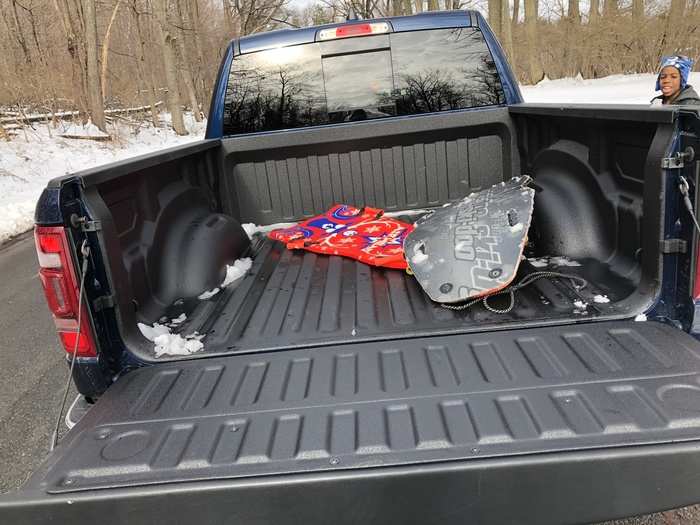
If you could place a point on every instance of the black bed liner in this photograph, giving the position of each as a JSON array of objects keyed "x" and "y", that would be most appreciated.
[
  {"x": 589, "y": 397},
  {"x": 296, "y": 298}
]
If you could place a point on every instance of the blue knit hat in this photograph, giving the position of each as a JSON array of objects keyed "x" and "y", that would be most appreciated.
[{"x": 681, "y": 63}]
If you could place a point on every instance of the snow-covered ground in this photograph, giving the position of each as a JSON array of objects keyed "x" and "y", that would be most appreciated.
[
  {"x": 615, "y": 89},
  {"x": 34, "y": 157}
]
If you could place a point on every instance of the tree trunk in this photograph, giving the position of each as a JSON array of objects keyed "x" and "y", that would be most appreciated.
[
  {"x": 516, "y": 13},
  {"x": 418, "y": 6},
  {"x": 169, "y": 52},
  {"x": 186, "y": 64},
  {"x": 105, "y": 49},
  {"x": 507, "y": 36},
  {"x": 228, "y": 17},
  {"x": 19, "y": 35},
  {"x": 97, "y": 109},
  {"x": 147, "y": 80},
  {"x": 73, "y": 39},
  {"x": 432, "y": 5},
  {"x": 675, "y": 12},
  {"x": 199, "y": 78},
  {"x": 638, "y": 9},
  {"x": 495, "y": 16},
  {"x": 534, "y": 69},
  {"x": 610, "y": 7},
  {"x": 574, "y": 12},
  {"x": 594, "y": 11}
]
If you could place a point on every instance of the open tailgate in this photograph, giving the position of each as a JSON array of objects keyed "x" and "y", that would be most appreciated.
[{"x": 544, "y": 425}]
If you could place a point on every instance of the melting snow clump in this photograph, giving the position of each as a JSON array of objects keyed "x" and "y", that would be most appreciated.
[
  {"x": 641, "y": 318},
  {"x": 563, "y": 261},
  {"x": 419, "y": 257},
  {"x": 178, "y": 320},
  {"x": 238, "y": 270},
  {"x": 601, "y": 299},
  {"x": 168, "y": 343},
  {"x": 539, "y": 263},
  {"x": 151, "y": 332},
  {"x": 516, "y": 227},
  {"x": 208, "y": 294},
  {"x": 580, "y": 305},
  {"x": 175, "y": 344},
  {"x": 233, "y": 273}
]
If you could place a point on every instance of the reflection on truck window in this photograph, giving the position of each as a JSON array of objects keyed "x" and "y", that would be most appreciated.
[{"x": 360, "y": 78}]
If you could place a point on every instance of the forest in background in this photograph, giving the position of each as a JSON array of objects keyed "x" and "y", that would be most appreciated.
[{"x": 95, "y": 59}]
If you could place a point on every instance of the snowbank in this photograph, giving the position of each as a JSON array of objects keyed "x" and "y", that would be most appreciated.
[
  {"x": 38, "y": 155},
  {"x": 615, "y": 89}
]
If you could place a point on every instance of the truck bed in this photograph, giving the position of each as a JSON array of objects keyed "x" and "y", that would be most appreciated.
[
  {"x": 297, "y": 298},
  {"x": 465, "y": 413},
  {"x": 597, "y": 203}
]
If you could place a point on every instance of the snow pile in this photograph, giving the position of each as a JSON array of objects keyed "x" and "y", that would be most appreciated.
[
  {"x": 601, "y": 299},
  {"x": 641, "y": 318},
  {"x": 165, "y": 342},
  {"x": 419, "y": 257},
  {"x": 614, "y": 89},
  {"x": 39, "y": 154},
  {"x": 233, "y": 272},
  {"x": 151, "y": 332},
  {"x": 542, "y": 262},
  {"x": 175, "y": 344},
  {"x": 178, "y": 320},
  {"x": 237, "y": 270}
]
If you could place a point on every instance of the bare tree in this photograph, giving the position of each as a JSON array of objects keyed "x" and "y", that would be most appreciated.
[
  {"x": 16, "y": 29},
  {"x": 94, "y": 91},
  {"x": 506, "y": 30},
  {"x": 70, "y": 14},
  {"x": 638, "y": 9},
  {"x": 534, "y": 70},
  {"x": 574, "y": 13},
  {"x": 105, "y": 49},
  {"x": 495, "y": 14},
  {"x": 185, "y": 62},
  {"x": 168, "y": 48},
  {"x": 594, "y": 11},
  {"x": 146, "y": 74},
  {"x": 610, "y": 7}
]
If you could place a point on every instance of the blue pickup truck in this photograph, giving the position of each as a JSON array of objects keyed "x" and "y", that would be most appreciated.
[{"x": 329, "y": 391}]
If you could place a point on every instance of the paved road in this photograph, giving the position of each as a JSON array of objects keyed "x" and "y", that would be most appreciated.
[
  {"x": 33, "y": 374},
  {"x": 33, "y": 370}
]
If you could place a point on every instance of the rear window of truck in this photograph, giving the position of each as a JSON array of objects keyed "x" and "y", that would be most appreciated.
[{"x": 360, "y": 78}]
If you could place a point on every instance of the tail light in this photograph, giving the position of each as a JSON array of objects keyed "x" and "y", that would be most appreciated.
[
  {"x": 59, "y": 280},
  {"x": 374, "y": 28},
  {"x": 696, "y": 284}
]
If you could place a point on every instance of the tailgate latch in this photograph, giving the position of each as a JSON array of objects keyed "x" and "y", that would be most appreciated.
[
  {"x": 84, "y": 224},
  {"x": 678, "y": 160}
]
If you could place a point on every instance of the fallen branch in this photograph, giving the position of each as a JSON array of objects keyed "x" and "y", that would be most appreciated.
[
  {"x": 99, "y": 138},
  {"x": 61, "y": 114}
]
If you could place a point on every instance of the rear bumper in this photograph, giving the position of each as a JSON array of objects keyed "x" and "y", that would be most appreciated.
[{"x": 558, "y": 488}]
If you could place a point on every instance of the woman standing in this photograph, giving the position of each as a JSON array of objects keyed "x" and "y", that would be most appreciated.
[{"x": 673, "y": 82}]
